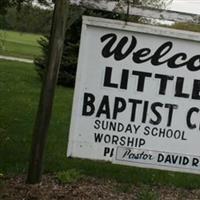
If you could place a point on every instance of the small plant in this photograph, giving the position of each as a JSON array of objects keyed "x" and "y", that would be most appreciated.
[
  {"x": 69, "y": 176},
  {"x": 124, "y": 187},
  {"x": 147, "y": 194},
  {"x": 3, "y": 138}
]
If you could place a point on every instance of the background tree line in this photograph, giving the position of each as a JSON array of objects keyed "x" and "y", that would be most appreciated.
[{"x": 29, "y": 18}]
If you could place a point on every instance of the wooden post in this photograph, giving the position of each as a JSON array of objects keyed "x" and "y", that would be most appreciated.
[{"x": 47, "y": 93}]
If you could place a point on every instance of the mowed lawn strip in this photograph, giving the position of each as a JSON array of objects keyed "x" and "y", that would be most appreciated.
[
  {"x": 23, "y": 45},
  {"x": 19, "y": 91}
]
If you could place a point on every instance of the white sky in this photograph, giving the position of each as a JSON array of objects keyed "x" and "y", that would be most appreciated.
[{"x": 190, "y": 6}]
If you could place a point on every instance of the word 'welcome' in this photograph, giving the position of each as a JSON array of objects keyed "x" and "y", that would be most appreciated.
[{"x": 145, "y": 54}]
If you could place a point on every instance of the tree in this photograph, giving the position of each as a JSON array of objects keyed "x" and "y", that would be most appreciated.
[
  {"x": 5, "y": 4},
  {"x": 72, "y": 38},
  {"x": 32, "y": 19}
]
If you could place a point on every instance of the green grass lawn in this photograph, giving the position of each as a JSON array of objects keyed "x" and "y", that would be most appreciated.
[
  {"x": 19, "y": 91},
  {"x": 17, "y": 44}
]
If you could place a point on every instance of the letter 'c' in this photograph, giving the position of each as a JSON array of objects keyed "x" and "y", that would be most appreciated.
[{"x": 189, "y": 114}]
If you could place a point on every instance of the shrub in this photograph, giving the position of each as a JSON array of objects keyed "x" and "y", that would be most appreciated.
[{"x": 69, "y": 176}]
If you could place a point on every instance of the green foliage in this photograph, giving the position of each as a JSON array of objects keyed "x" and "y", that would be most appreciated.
[
  {"x": 5, "y": 4},
  {"x": 1, "y": 180},
  {"x": 147, "y": 194},
  {"x": 69, "y": 176},
  {"x": 29, "y": 19},
  {"x": 3, "y": 24},
  {"x": 124, "y": 187},
  {"x": 2, "y": 40}
]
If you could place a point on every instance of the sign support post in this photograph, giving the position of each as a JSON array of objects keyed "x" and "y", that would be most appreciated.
[{"x": 47, "y": 93}]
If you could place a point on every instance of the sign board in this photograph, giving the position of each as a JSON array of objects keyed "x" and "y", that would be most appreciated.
[{"x": 137, "y": 96}]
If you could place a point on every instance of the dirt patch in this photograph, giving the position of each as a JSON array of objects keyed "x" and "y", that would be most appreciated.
[{"x": 88, "y": 188}]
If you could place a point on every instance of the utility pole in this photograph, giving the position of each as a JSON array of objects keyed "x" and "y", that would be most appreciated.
[{"x": 47, "y": 93}]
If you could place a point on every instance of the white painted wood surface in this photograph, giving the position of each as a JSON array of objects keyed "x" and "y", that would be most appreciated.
[
  {"x": 95, "y": 131},
  {"x": 139, "y": 11}
]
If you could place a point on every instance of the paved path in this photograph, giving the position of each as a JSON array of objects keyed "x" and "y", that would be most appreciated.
[{"x": 16, "y": 59}]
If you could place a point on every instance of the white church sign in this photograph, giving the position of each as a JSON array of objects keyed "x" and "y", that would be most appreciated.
[{"x": 137, "y": 96}]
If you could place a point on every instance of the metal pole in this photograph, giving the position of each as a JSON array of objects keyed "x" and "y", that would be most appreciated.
[{"x": 47, "y": 93}]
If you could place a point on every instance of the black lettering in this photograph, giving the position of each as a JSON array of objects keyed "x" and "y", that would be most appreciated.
[
  {"x": 141, "y": 54},
  {"x": 97, "y": 124},
  {"x": 196, "y": 90},
  {"x": 117, "y": 107},
  {"x": 157, "y": 114},
  {"x": 161, "y": 52},
  {"x": 163, "y": 82},
  {"x": 117, "y": 51},
  {"x": 172, "y": 61},
  {"x": 104, "y": 107},
  {"x": 107, "y": 138},
  {"x": 141, "y": 79},
  {"x": 122, "y": 141},
  {"x": 124, "y": 81},
  {"x": 120, "y": 127},
  {"x": 179, "y": 88},
  {"x": 185, "y": 160},
  {"x": 141, "y": 142},
  {"x": 147, "y": 130},
  {"x": 160, "y": 158},
  {"x": 171, "y": 110},
  {"x": 104, "y": 125},
  {"x": 123, "y": 48},
  {"x": 106, "y": 151},
  {"x": 144, "y": 115},
  {"x": 134, "y": 105},
  {"x": 112, "y": 126},
  {"x": 98, "y": 137},
  {"x": 107, "y": 78},
  {"x": 115, "y": 139},
  {"x": 154, "y": 131},
  {"x": 195, "y": 162},
  {"x": 128, "y": 129},
  {"x": 189, "y": 115},
  {"x": 88, "y": 104},
  {"x": 191, "y": 63}
]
